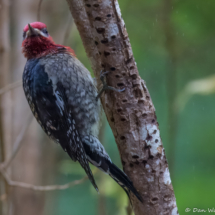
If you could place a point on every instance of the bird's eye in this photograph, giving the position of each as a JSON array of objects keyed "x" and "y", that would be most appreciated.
[
  {"x": 44, "y": 30},
  {"x": 24, "y": 34}
]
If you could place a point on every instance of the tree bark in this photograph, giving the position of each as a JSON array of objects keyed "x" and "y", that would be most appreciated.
[{"x": 131, "y": 113}]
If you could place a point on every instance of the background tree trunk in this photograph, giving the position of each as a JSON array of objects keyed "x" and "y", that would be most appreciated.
[
  {"x": 28, "y": 159},
  {"x": 131, "y": 113},
  {"x": 5, "y": 100}
]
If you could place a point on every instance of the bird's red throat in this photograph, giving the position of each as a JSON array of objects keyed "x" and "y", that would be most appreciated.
[{"x": 38, "y": 46}]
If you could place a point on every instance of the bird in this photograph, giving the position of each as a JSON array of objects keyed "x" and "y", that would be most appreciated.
[{"x": 63, "y": 98}]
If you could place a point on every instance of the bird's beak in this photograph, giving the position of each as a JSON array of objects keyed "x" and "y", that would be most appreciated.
[{"x": 32, "y": 31}]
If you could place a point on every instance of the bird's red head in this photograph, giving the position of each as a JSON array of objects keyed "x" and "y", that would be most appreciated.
[
  {"x": 37, "y": 25},
  {"x": 37, "y": 42}
]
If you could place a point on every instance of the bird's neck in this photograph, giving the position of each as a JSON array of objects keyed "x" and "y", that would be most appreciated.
[{"x": 36, "y": 47}]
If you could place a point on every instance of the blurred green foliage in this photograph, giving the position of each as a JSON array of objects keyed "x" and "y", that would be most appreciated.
[{"x": 193, "y": 31}]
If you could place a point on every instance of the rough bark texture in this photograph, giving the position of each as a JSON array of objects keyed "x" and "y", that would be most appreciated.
[{"x": 131, "y": 113}]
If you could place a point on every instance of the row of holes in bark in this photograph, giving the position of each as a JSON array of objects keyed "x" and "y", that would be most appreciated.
[
  {"x": 149, "y": 138},
  {"x": 107, "y": 53},
  {"x": 102, "y": 30},
  {"x": 100, "y": 19},
  {"x": 125, "y": 100},
  {"x": 105, "y": 40},
  {"x": 112, "y": 69},
  {"x": 145, "y": 116},
  {"x": 117, "y": 76},
  {"x": 95, "y": 5},
  {"x": 136, "y": 162},
  {"x": 129, "y": 61},
  {"x": 113, "y": 49}
]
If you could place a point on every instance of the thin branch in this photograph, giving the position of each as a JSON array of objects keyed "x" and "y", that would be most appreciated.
[
  {"x": 17, "y": 144},
  {"x": 40, "y": 188},
  {"x": 39, "y": 9},
  {"x": 10, "y": 87}
]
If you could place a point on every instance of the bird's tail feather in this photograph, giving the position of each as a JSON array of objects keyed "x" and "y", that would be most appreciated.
[
  {"x": 122, "y": 179},
  {"x": 87, "y": 169},
  {"x": 85, "y": 165}
]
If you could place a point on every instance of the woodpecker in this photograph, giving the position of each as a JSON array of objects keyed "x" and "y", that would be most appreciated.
[{"x": 64, "y": 100}]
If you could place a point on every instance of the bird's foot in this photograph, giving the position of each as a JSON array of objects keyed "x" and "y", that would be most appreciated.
[{"x": 105, "y": 86}]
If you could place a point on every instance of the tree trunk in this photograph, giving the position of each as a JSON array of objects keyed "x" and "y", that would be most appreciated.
[
  {"x": 5, "y": 100},
  {"x": 131, "y": 113}
]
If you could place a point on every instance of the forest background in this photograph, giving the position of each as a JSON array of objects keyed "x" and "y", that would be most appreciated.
[{"x": 173, "y": 44}]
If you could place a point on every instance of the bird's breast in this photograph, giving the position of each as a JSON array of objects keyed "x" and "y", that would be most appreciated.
[{"x": 78, "y": 87}]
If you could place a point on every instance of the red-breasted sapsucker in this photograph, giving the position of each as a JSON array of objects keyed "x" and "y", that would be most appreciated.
[{"x": 62, "y": 96}]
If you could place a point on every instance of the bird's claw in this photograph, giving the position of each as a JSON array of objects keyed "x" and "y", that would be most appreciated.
[{"x": 105, "y": 86}]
